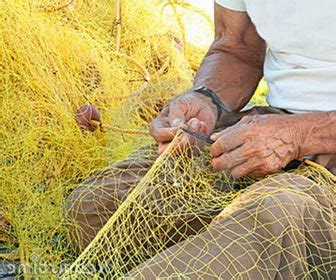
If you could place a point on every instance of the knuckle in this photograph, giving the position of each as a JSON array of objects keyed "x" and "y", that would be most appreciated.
[
  {"x": 224, "y": 145},
  {"x": 227, "y": 161},
  {"x": 270, "y": 165},
  {"x": 251, "y": 122},
  {"x": 220, "y": 143},
  {"x": 255, "y": 148},
  {"x": 253, "y": 162},
  {"x": 264, "y": 163},
  {"x": 182, "y": 102},
  {"x": 264, "y": 153}
]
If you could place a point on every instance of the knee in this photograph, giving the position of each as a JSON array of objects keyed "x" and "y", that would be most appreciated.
[
  {"x": 77, "y": 226},
  {"x": 86, "y": 212},
  {"x": 284, "y": 191},
  {"x": 282, "y": 202},
  {"x": 270, "y": 195},
  {"x": 89, "y": 202},
  {"x": 74, "y": 203},
  {"x": 77, "y": 209},
  {"x": 286, "y": 181}
]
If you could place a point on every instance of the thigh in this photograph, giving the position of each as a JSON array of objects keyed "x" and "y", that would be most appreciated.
[
  {"x": 278, "y": 229},
  {"x": 91, "y": 205}
]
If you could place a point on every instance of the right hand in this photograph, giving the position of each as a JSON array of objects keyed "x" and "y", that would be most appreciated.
[{"x": 192, "y": 110}]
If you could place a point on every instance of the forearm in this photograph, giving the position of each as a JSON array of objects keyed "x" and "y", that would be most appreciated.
[
  {"x": 233, "y": 66},
  {"x": 318, "y": 133},
  {"x": 232, "y": 72}
]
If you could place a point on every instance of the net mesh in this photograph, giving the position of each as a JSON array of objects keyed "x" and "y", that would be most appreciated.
[
  {"x": 126, "y": 57},
  {"x": 164, "y": 217},
  {"x": 145, "y": 216}
]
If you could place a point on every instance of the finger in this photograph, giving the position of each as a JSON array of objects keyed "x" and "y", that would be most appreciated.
[
  {"x": 233, "y": 158},
  {"x": 246, "y": 168},
  {"x": 203, "y": 128},
  {"x": 228, "y": 141},
  {"x": 196, "y": 126},
  {"x": 186, "y": 142},
  {"x": 164, "y": 134},
  {"x": 161, "y": 130},
  {"x": 177, "y": 112},
  {"x": 217, "y": 135},
  {"x": 162, "y": 147},
  {"x": 181, "y": 142},
  {"x": 257, "y": 174}
]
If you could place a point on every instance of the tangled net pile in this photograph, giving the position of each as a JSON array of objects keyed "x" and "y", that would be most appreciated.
[{"x": 128, "y": 58}]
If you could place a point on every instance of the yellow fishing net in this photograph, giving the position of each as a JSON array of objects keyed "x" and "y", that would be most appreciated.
[
  {"x": 143, "y": 216},
  {"x": 126, "y": 57},
  {"x": 149, "y": 217}
]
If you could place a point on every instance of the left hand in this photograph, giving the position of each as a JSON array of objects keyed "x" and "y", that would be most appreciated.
[{"x": 257, "y": 146}]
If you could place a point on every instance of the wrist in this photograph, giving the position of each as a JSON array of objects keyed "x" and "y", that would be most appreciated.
[
  {"x": 289, "y": 129},
  {"x": 206, "y": 101},
  {"x": 317, "y": 133},
  {"x": 302, "y": 128},
  {"x": 216, "y": 100}
]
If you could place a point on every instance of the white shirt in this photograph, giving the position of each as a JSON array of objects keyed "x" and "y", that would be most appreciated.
[{"x": 300, "y": 66}]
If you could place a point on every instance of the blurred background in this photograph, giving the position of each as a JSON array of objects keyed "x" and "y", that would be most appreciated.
[
  {"x": 202, "y": 38},
  {"x": 206, "y": 5}
]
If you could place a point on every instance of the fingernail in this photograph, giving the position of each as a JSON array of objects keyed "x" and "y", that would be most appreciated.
[
  {"x": 177, "y": 122},
  {"x": 214, "y": 136},
  {"x": 193, "y": 124}
]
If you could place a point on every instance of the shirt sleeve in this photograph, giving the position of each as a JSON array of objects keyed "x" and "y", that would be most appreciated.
[{"x": 237, "y": 5}]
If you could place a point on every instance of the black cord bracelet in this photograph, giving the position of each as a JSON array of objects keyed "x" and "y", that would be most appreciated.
[{"x": 215, "y": 99}]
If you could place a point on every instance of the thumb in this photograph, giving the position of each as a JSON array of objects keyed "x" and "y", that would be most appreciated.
[{"x": 177, "y": 113}]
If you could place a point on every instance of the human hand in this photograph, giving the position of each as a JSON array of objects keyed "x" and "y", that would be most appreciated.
[
  {"x": 85, "y": 114},
  {"x": 192, "y": 110},
  {"x": 257, "y": 146}
]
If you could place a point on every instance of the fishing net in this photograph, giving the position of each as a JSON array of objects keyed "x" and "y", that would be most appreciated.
[
  {"x": 282, "y": 226},
  {"x": 128, "y": 58}
]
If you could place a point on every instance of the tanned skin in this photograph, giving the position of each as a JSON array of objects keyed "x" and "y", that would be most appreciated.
[
  {"x": 232, "y": 68},
  {"x": 233, "y": 65},
  {"x": 258, "y": 145}
]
